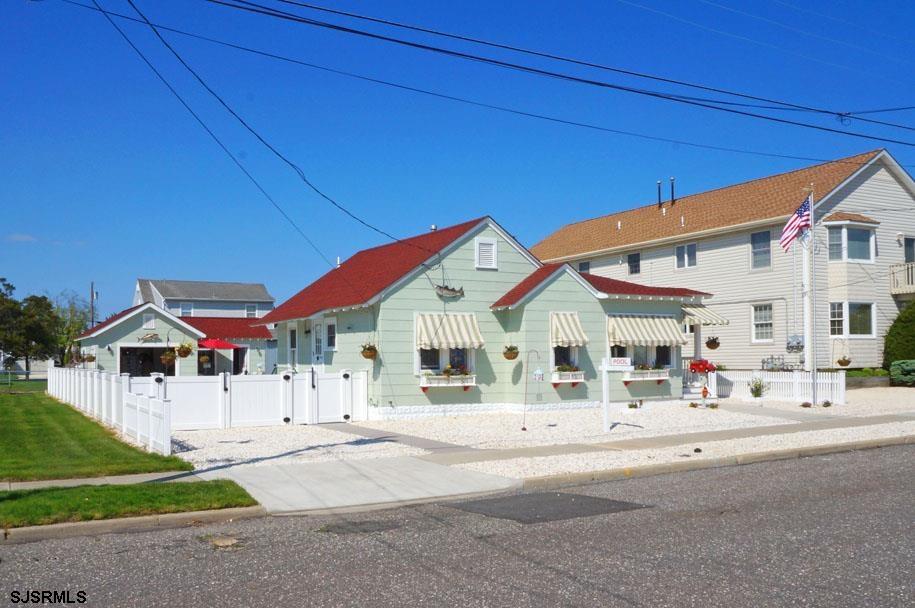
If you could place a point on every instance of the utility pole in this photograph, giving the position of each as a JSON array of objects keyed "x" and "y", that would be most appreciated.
[{"x": 92, "y": 304}]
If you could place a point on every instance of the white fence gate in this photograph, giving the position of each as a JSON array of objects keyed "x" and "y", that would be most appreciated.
[
  {"x": 221, "y": 401},
  {"x": 780, "y": 386}
]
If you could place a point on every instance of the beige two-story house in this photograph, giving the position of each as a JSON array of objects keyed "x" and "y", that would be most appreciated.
[{"x": 726, "y": 242}]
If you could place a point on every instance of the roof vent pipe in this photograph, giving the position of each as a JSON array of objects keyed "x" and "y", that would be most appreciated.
[
  {"x": 671, "y": 190},
  {"x": 433, "y": 228},
  {"x": 338, "y": 261},
  {"x": 619, "y": 225},
  {"x": 659, "y": 193}
]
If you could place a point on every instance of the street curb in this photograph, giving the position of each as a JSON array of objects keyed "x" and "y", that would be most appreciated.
[
  {"x": 164, "y": 521},
  {"x": 546, "y": 482}
]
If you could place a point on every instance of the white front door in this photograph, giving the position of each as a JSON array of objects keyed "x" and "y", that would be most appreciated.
[{"x": 317, "y": 342}]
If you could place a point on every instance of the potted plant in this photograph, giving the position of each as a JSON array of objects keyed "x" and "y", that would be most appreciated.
[
  {"x": 757, "y": 388},
  {"x": 185, "y": 349},
  {"x": 369, "y": 351},
  {"x": 510, "y": 352},
  {"x": 712, "y": 343},
  {"x": 168, "y": 357},
  {"x": 844, "y": 361},
  {"x": 565, "y": 367}
]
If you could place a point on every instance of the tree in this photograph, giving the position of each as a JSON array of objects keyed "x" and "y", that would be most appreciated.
[
  {"x": 899, "y": 343},
  {"x": 73, "y": 318},
  {"x": 10, "y": 314},
  {"x": 37, "y": 333}
]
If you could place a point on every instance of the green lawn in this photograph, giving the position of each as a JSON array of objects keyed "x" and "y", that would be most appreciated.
[
  {"x": 41, "y": 438},
  {"x": 55, "y": 505},
  {"x": 21, "y": 386}
]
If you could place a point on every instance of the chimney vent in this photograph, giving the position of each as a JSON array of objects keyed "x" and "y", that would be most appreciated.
[
  {"x": 619, "y": 225},
  {"x": 659, "y": 193},
  {"x": 672, "y": 198},
  {"x": 433, "y": 228}
]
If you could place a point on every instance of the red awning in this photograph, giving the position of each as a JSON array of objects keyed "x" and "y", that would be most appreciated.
[{"x": 216, "y": 343}]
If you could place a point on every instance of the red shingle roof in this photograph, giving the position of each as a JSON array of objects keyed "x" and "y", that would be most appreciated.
[
  {"x": 109, "y": 320},
  {"x": 845, "y": 216},
  {"x": 229, "y": 327},
  {"x": 602, "y": 284},
  {"x": 366, "y": 274}
]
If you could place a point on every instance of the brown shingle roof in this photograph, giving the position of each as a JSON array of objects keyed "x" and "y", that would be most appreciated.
[
  {"x": 760, "y": 199},
  {"x": 845, "y": 216}
]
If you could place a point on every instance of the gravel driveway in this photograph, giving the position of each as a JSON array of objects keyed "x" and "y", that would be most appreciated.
[{"x": 861, "y": 402}]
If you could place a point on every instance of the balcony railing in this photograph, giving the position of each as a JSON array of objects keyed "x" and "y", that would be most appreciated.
[
  {"x": 902, "y": 278},
  {"x": 427, "y": 381}
]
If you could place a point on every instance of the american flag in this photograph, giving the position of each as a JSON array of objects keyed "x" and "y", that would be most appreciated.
[{"x": 799, "y": 221}]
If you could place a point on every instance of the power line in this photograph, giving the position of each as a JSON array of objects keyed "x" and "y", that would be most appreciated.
[
  {"x": 753, "y": 40},
  {"x": 259, "y": 9},
  {"x": 213, "y": 135},
  {"x": 843, "y": 21},
  {"x": 261, "y": 139},
  {"x": 467, "y": 101},
  {"x": 799, "y": 30},
  {"x": 899, "y": 109},
  {"x": 779, "y": 105}
]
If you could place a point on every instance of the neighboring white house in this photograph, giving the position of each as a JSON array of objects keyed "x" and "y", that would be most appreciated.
[
  {"x": 205, "y": 298},
  {"x": 726, "y": 242}
]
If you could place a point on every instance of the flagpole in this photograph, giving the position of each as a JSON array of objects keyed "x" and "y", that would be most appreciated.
[{"x": 813, "y": 300}]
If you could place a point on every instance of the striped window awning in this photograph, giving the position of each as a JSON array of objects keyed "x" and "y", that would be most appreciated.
[
  {"x": 566, "y": 330},
  {"x": 644, "y": 330},
  {"x": 697, "y": 314},
  {"x": 448, "y": 330}
]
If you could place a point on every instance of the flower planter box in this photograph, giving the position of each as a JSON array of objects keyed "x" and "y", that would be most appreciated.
[
  {"x": 646, "y": 375},
  {"x": 572, "y": 378},
  {"x": 426, "y": 382}
]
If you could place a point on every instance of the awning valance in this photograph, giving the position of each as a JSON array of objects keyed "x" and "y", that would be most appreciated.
[
  {"x": 448, "y": 330},
  {"x": 644, "y": 330},
  {"x": 566, "y": 330},
  {"x": 697, "y": 314}
]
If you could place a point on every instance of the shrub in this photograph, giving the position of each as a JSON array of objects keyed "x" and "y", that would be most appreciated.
[
  {"x": 757, "y": 386},
  {"x": 899, "y": 343},
  {"x": 902, "y": 373},
  {"x": 806, "y": 404}
]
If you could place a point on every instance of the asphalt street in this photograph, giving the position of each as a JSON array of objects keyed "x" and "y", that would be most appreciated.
[{"x": 826, "y": 531}]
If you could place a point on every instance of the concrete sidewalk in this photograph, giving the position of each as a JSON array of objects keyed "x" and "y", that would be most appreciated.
[{"x": 341, "y": 485}]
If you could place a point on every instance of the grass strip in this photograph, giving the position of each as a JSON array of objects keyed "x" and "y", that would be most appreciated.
[{"x": 85, "y": 503}]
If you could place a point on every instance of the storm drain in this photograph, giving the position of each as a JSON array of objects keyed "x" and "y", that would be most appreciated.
[
  {"x": 358, "y": 527},
  {"x": 540, "y": 507}
]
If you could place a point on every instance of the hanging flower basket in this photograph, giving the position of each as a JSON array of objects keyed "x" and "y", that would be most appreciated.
[
  {"x": 89, "y": 358},
  {"x": 510, "y": 352},
  {"x": 184, "y": 349},
  {"x": 204, "y": 359},
  {"x": 844, "y": 361},
  {"x": 712, "y": 343},
  {"x": 168, "y": 357},
  {"x": 369, "y": 351}
]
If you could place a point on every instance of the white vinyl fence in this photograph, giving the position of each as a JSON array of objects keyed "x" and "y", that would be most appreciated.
[
  {"x": 780, "y": 386},
  {"x": 127, "y": 404},
  {"x": 214, "y": 402}
]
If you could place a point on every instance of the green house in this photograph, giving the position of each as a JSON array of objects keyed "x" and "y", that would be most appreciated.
[{"x": 431, "y": 318}]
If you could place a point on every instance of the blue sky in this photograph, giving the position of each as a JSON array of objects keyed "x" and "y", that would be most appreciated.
[{"x": 107, "y": 178}]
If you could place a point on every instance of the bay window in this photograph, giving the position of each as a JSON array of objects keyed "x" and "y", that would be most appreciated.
[
  {"x": 860, "y": 319},
  {"x": 859, "y": 244},
  {"x": 851, "y": 243}
]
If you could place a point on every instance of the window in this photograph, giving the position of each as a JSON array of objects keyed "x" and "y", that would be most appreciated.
[
  {"x": 860, "y": 319},
  {"x": 762, "y": 323},
  {"x": 634, "y": 260},
  {"x": 331, "y": 329},
  {"x": 584, "y": 267},
  {"x": 618, "y": 351},
  {"x": 835, "y": 243},
  {"x": 662, "y": 356},
  {"x": 689, "y": 329},
  {"x": 760, "y": 250},
  {"x": 457, "y": 358},
  {"x": 486, "y": 253},
  {"x": 428, "y": 359},
  {"x": 293, "y": 346},
  {"x": 317, "y": 330},
  {"x": 909, "y": 249},
  {"x": 640, "y": 356},
  {"x": 250, "y": 310},
  {"x": 564, "y": 355},
  {"x": 149, "y": 320},
  {"x": 186, "y": 309},
  {"x": 836, "y": 319},
  {"x": 686, "y": 255},
  {"x": 859, "y": 244}
]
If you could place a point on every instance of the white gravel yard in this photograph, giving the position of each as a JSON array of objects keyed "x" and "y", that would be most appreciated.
[
  {"x": 279, "y": 445},
  {"x": 520, "y": 468},
  {"x": 503, "y": 430},
  {"x": 861, "y": 402}
]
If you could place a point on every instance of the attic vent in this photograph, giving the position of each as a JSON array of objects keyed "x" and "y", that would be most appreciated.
[{"x": 486, "y": 253}]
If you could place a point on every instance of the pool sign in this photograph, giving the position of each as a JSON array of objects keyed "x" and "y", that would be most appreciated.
[{"x": 620, "y": 364}]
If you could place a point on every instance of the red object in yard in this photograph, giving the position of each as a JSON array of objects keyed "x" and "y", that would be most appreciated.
[
  {"x": 216, "y": 343},
  {"x": 701, "y": 366}
]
